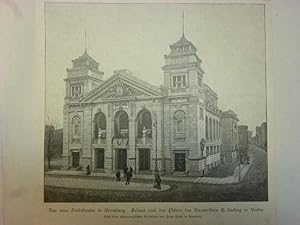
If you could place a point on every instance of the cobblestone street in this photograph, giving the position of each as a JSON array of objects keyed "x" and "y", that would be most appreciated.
[
  {"x": 105, "y": 181},
  {"x": 89, "y": 183},
  {"x": 75, "y": 186},
  {"x": 239, "y": 173}
]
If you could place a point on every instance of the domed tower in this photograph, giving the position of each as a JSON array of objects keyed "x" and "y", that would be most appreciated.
[
  {"x": 184, "y": 109},
  {"x": 83, "y": 77},
  {"x": 182, "y": 70}
]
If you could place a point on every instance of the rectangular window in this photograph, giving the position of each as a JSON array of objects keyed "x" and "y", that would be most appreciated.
[
  {"x": 76, "y": 91},
  {"x": 179, "y": 81},
  {"x": 76, "y": 130},
  {"x": 183, "y": 80},
  {"x": 174, "y": 81},
  {"x": 201, "y": 114},
  {"x": 199, "y": 82},
  {"x": 207, "y": 151},
  {"x": 180, "y": 126}
]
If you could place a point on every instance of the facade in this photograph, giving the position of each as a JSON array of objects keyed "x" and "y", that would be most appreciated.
[
  {"x": 229, "y": 137},
  {"x": 261, "y": 137},
  {"x": 174, "y": 128},
  {"x": 243, "y": 143}
]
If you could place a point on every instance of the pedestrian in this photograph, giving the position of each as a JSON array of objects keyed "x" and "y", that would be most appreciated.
[
  {"x": 131, "y": 171},
  {"x": 125, "y": 170},
  {"x": 158, "y": 181},
  {"x": 118, "y": 175},
  {"x": 128, "y": 178},
  {"x": 88, "y": 170}
]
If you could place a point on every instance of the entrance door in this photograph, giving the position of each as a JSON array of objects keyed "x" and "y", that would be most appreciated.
[
  {"x": 121, "y": 158},
  {"x": 144, "y": 159},
  {"x": 99, "y": 158},
  {"x": 75, "y": 159},
  {"x": 180, "y": 162}
]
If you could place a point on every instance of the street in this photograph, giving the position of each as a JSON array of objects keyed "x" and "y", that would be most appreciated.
[{"x": 254, "y": 187}]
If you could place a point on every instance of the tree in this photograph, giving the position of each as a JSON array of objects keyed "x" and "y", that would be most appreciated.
[{"x": 52, "y": 141}]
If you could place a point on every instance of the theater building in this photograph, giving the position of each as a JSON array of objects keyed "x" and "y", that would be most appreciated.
[{"x": 123, "y": 120}]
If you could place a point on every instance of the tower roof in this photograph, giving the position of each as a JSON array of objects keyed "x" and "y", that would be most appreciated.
[
  {"x": 183, "y": 41},
  {"x": 85, "y": 61},
  {"x": 84, "y": 58}
]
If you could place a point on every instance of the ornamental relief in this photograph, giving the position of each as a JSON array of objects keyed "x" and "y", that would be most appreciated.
[{"x": 120, "y": 89}]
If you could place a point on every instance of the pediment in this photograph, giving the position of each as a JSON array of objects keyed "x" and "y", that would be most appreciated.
[{"x": 121, "y": 88}]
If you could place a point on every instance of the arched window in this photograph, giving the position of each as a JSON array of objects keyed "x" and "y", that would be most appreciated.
[
  {"x": 76, "y": 129},
  {"x": 218, "y": 126},
  {"x": 210, "y": 129},
  {"x": 121, "y": 124},
  {"x": 100, "y": 125},
  {"x": 206, "y": 128},
  {"x": 214, "y": 129},
  {"x": 144, "y": 123},
  {"x": 180, "y": 121},
  {"x": 219, "y": 130}
]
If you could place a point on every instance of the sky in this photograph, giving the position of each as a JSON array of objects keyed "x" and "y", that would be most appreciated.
[{"x": 230, "y": 39}]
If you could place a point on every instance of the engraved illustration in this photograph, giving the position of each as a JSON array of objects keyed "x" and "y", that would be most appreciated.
[{"x": 178, "y": 127}]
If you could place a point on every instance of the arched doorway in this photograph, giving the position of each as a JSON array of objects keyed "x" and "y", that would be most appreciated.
[
  {"x": 99, "y": 126},
  {"x": 121, "y": 131},
  {"x": 121, "y": 124},
  {"x": 144, "y": 124}
]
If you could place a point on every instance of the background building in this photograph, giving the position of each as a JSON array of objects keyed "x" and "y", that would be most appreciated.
[
  {"x": 243, "y": 142},
  {"x": 261, "y": 137},
  {"x": 229, "y": 136}
]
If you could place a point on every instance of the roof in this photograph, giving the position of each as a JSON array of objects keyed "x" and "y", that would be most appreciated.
[
  {"x": 84, "y": 56},
  {"x": 230, "y": 114},
  {"x": 210, "y": 90},
  {"x": 182, "y": 41},
  {"x": 126, "y": 75}
]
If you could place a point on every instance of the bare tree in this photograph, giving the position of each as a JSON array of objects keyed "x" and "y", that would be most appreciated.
[{"x": 52, "y": 140}]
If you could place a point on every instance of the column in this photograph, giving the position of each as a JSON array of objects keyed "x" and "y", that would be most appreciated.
[{"x": 131, "y": 151}]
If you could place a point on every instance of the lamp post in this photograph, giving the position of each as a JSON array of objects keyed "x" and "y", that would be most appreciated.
[
  {"x": 155, "y": 125},
  {"x": 239, "y": 158}
]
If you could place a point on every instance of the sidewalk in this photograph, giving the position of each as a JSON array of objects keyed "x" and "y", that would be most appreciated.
[
  {"x": 235, "y": 178},
  {"x": 83, "y": 183}
]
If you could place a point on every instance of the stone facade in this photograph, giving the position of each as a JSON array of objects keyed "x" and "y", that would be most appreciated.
[
  {"x": 174, "y": 128},
  {"x": 243, "y": 143},
  {"x": 229, "y": 137},
  {"x": 261, "y": 137}
]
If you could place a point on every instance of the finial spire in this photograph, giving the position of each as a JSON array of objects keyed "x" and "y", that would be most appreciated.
[{"x": 183, "y": 22}]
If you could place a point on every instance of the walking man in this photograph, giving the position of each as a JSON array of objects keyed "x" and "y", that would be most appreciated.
[
  {"x": 127, "y": 177},
  {"x": 88, "y": 170},
  {"x": 125, "y": 170},
  {"x": 131, "y": 171},
  {"x": 118, "y": 175},
  {"x": 157, "y": 180}
]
